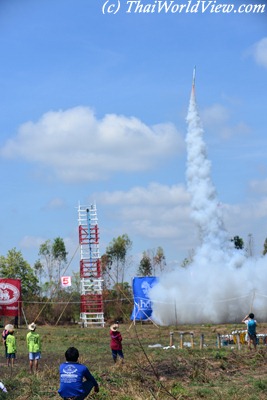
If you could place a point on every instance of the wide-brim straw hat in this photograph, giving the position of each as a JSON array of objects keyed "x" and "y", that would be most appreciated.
[
  {"x": 114, "y": 327},
  {"x": 9, "y": 328},
  {"x": 32, "y": 326}
]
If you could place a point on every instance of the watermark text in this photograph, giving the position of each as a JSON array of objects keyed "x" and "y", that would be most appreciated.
[{"x": 175, "y": 7}]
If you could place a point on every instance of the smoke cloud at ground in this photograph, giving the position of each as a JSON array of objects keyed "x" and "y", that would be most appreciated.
[{"x": 221, "y": 284}]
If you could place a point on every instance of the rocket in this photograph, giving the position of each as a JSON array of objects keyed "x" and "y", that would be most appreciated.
[
  {"x": 194, "y": 76},
  {"x": 194, "y": 79}
]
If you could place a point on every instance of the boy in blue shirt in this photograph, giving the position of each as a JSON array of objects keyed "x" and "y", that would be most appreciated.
[
  {"x": 251, "y": 330},
  {"x": 76, "y": 381}
]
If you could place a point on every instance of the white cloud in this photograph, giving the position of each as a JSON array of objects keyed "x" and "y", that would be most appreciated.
[
  {"x": 155, "y": 194},
  {"x": 259, "y": 186},
  {"x": 216, "y": 114},
  {"x": 259, "y": 52},
  {"x": 78, "y": 146},
  {"x": 31, "y": 242},
  {"x": 238, "y": 129},
  {"x": 160, "y": 215},
  {"x": 28, "y": 243},
  {"x": 157, "y": 212},
  {"x": 54, "y": 203},
  {"x": 218, "y": 118}
]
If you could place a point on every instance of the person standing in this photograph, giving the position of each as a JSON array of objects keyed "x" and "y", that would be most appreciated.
[
  {"x": 34, "y": 347},
  {"x": 5, "y": 333},
  {"x": 16, "y": 322},
  {"x": 116, "y": 343},
  {"x": 251, "y": 323},
  {"x": 11, "y": 348},
  {"x": 76, "y": 381}
]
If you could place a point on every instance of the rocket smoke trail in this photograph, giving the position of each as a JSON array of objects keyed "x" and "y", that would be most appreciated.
[
  {"x": 204, "y": 202},
  {"x": 221, "y": 284}
]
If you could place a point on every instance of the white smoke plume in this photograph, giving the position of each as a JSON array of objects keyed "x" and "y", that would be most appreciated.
[{"x": 221, "y": 284}]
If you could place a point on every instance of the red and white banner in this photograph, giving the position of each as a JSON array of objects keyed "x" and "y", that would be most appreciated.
[
  {"x": 10, "y": 297},
  {"x": 65, "y": 281}
]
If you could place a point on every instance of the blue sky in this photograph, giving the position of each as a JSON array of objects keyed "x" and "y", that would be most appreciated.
[{"x": 93, "y": 109}]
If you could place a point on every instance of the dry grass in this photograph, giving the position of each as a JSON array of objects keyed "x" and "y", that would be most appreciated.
[{"x": 148, "y": 372}]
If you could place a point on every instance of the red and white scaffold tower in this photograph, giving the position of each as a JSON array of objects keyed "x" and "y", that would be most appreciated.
[{"x": 92, "y": 312}]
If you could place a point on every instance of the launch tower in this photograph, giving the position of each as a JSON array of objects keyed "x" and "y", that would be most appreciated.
[{"x": 90, "y": 267}]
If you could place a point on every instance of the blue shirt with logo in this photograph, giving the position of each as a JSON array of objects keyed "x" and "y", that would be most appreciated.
[{"x": 71, "y": 379}]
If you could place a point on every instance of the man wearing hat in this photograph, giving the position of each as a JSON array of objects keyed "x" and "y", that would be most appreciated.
[
  {"x": 34, "y": 346},
  {"x": 11, "y": 346},
  {"x": 116, "y": 342},
  {"x": 5, "y": 333}
]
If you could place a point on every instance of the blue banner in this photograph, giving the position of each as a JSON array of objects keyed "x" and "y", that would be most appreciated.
[{"x": 142, "y": 304}]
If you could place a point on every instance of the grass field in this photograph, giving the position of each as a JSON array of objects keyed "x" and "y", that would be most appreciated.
[{"x": 149, "y": 371}]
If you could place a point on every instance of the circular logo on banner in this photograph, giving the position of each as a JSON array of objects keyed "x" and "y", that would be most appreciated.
[{"x": 8, "y": 293}]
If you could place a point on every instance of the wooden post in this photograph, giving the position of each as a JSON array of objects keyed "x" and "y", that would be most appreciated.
[
  {"x": 218, "y": 340},
  {"x": 238, "y": 341},
  {"x": 181, "y": 340},
  {"x": 201, "y": 341},
  {"x": 192, "y": 339},
  {"x": 171, "y": 339}
]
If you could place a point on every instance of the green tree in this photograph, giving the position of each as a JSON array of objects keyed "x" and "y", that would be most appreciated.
[
  {"x": 39, "y": 269},
  {"x": 14, "y": 266},
  {"x": 188, "y": 260},
  {"x": 76, "y": 282},
  {"x": 59, "y": 254},
  {"x": 153, "y": 262},
  {"x": 117, "y": 309},
  {"x": 265, "y": 247},
  {"x": 117, "y": 258},
  {"x": 250, "y": 246},
  {"x": 185, "y": 263},
  {"x": 158, "y": 261},
  {"x": 105, "y": 267},
  {"x": 67, "y": 301},
  {"x": 145, "y": 266},
  {"x": 238, "y": 242},
  {"x": 55, "y": 255}
]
